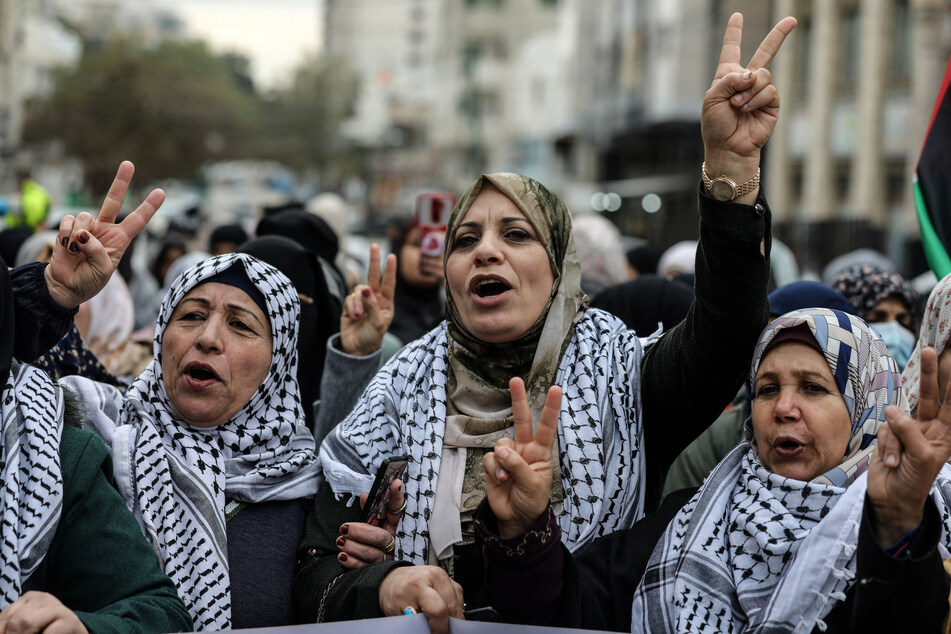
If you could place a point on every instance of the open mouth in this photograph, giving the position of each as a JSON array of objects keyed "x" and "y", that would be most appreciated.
[
  {"x": 490, "y": 287},
  {"x": 199, "y": 372},
  {"x": 788, "y": 446}
]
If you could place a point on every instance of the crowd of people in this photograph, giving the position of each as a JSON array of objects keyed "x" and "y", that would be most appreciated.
[{"x": 644, "y": 442}]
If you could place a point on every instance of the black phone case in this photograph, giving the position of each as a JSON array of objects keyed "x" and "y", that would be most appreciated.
[{"x": 381, "y": 484}]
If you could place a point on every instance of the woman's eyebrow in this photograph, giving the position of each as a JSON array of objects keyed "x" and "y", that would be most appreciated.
[{"x": 244, "y": 310}]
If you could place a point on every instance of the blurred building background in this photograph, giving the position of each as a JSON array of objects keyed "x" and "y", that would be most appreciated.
[
  {"x": 603, "y": 96},
  {"x": 599, "y": 99}
]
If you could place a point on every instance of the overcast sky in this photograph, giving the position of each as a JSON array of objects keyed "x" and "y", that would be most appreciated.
[{"x": 275, "y": 34}]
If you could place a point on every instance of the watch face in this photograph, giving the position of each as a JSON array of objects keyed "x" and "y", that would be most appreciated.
[{"x": 722, "y": 189}]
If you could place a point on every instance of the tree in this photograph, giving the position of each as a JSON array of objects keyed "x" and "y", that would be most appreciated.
[{"x": 168, "y": 108}]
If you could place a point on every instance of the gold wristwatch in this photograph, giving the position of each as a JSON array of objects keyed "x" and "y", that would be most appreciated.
[{"x": 725, "y": 188}]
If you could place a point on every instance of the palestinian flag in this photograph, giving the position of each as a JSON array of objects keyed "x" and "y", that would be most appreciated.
[{"x": 933, "y": 183}]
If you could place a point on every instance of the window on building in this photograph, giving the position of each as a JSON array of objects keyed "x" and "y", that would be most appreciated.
[
  {"x": 484, "y": 3},
  {"x": 849, "y": 68},
  {"x": 901, "y": 41},
  {"x": 804, "y": 59}
]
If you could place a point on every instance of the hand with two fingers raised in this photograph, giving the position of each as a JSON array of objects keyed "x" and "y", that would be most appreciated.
[
  {"x": 88, "y": 250},
  {"x": 518, "y": 472},
  {"x": 361, "y": 544},
  {"x": 39, "y": 612},
  {"x": 908, "y": 457},
  {"x": 368, "y": 309},
  {"x": 426, "y": 589},
  {"x": 741, "y": 107}
]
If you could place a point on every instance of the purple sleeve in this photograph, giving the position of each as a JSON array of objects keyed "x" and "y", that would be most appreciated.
[{"x": 523, "y": 575}]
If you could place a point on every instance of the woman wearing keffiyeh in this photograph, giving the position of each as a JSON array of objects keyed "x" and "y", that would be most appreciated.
[
  {"x": 515, "y": 308},
  {"x": 72, "y": 557},
  {"x": 810, "y": 526},
  {"x": 212, "y": 452}
]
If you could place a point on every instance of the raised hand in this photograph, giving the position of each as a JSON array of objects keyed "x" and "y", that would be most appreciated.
[
  {"x": 742, "y": 105},
  {"x": 909, "y": 456},
  {"x": 361, "y": 544},
  {"x": 518, "y": 473},
  {"x": 368, "y": 310},
  {"x": 88, "y": 249}
]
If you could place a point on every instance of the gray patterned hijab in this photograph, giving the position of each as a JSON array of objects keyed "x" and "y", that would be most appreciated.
[{"x": 479, "y": 404}]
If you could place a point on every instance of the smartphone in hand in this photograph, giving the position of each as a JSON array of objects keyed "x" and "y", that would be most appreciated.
[{"x": 392, "y": 468}]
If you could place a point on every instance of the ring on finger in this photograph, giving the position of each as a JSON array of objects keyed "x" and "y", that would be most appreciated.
[
  {"x": 397, "y": 511},
  {"x": 389, "y": 548}
]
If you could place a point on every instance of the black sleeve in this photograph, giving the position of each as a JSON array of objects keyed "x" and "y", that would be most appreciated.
[
  {"x": 532, "y": 583},
  {"x": 40, "y": 321},
  {"x": 323, "y": 589},
  {"x": 908, "y": 593},
  {"x": 697, "y": 367},
  {"x": 600, "y": 580}
]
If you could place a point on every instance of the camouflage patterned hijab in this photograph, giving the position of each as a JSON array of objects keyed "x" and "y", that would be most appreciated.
[{"x": 478, "y": 398}]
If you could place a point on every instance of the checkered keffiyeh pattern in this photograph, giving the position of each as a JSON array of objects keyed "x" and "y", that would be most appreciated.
[
  {"x": 754, "y": 551},
  {"x": 403, "y": 411},
  {"x": 177, "y": 477},
  {"x": 31, "y": 492}
]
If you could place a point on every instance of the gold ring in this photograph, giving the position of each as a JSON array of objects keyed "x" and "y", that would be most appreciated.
[{"x": 390, "y": 547}]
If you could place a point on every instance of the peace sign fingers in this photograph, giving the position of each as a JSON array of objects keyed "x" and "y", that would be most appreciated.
[
  {"x": 730, "y": 53},
  {"x": 770, "y": 45}
]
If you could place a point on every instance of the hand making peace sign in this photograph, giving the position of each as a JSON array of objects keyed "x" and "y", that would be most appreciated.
[
  {"x": 741, "y": 107},
  {"x": 908, "y": 457},
  {"x": 518, "y": 473},
  {"x": 87, "y": 249}
]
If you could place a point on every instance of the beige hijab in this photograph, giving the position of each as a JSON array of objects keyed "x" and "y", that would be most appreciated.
[{"x": 479, "y": 402}]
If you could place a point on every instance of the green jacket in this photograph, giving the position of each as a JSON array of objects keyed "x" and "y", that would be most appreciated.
[{"x": 99, "y": 564}]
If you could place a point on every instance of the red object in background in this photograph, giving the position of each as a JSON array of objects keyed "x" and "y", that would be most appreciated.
[{"x": 432, "y": 214}]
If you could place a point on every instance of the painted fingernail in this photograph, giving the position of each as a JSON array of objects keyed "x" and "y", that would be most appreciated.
[
  {"x": 83, "y": 237},
  {"x": 64, "y": 241},
  {"x": 342, "y": 557},
  {"x": 73, "y": 248},
  {"x": 366, "y": 292},
  {"x": 344, "y": 529},
  {"x": 341, "y": 541}
]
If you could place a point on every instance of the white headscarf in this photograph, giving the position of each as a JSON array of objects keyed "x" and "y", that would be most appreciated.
[{"x": 178, "y": 477}]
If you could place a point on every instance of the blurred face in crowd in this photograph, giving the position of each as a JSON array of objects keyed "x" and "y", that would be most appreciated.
[
  {"x": 891, "y": 309},
  {"x": 801, "y": 424},
  {"x": 498, "y": 270},
  {"x": 216, "y": 351},
  {"x": 409, "y": 260}
]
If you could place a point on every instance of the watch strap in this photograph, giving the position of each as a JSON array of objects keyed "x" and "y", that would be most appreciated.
[{"x": 741, "y": 190}]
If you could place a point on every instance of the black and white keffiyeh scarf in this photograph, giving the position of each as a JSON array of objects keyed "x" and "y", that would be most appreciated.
[
  {"x": 403, "y": 411},
  {"x": 757, "y": 552},
  {"x": 31, "y": 493},
  {"x": 176, "y": 478}
]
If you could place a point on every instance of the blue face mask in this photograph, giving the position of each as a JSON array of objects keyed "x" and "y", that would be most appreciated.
[{"x": 898, "y": 339}]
